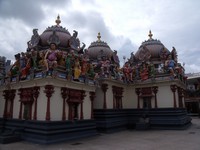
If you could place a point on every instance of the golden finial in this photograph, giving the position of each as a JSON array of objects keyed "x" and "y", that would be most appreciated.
[
  {"x": 99, "y": 37},
  {"x": 58, "y": 21},
  {"x": 150, "y": 34}
]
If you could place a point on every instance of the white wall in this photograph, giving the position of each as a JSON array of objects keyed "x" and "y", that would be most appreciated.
[
  {"x": 41, "y": 105},
  {"x": 16, "y": 105},
  {"x": 56, "y": 106},
  {"x": 109, "y": 97},
  {"x": 99, "y": 97},
  {"x": 129, "y": 97},
  {"x": 86, "y": 106},
  {"x": 165, "y": 96}
]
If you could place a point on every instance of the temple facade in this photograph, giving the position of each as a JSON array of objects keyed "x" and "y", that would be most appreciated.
[{"x": 58, "y": 90}]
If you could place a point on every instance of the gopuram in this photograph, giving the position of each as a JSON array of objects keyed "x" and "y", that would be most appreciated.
[{"x": 59, "y": 90}]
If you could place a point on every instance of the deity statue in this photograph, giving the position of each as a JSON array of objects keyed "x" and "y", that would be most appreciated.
[
  {"x": 164, "y": 54},
  {"x": 170, "y": 64},
  {"x": 144, "y": 72},
  {"x": 115, "y": 58},
  {"x": 25, "y": 70},
  {"x": 35, "y": 39},
  {"x": 41, "y": 61},
  {"x": 152, "y": 70},
  {"x": 127, "y": 71},
  {"x": 14, "y": 70},
  {"x": 105, "y": 65},
  {"x": 50, "y": 58},
  {"x": 144, "y": 54},
  {"x": 77, "y": 69},
  {"x": 74, "y": 42},
  {"x": 174, "y": 54}
]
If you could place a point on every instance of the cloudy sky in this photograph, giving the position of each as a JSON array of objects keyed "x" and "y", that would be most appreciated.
[{"x": 123, "y": 24}]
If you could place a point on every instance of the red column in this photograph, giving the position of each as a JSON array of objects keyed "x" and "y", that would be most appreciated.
[
  {"x": 35, "y": 95},
  {"x": 173, "y": 88},
  {"x": 155, "y": 90},
  {"x": 114, "y": 96},
  {"x": 137, "y": 91},
  {"x": 9, "y": 95},
  {"x": 20, "y": 111},
  {"x": 92, "y": 96},
  {"x": 49, "y": 90},
  {"x": 121, "y": 95},
  {"x": 12, "y": 97},
  {"x": 64, "y": 93},
  {"x": 81, "y": 117},
  {"x": 82, "y": 98},
  {"x": 104, "y": 88},
  {"x": 180, "y": 97},
  {"x": 70, "y": 111},
  {"x": 6, "y": 97}
]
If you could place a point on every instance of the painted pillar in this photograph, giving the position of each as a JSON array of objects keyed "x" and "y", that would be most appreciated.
[
  {"x": 173, "y": 88},
  {"x": 180, "y": 97},
  {"x": 137, "y": 91},
  {"x": 9, "y": 96},
  {"x": 104, "y": 88},
  {"x": 6, "y": 97},
  {"x": 82, "y": 98},
  {"x": 64, "y": 93},
  {"x": 92, "y": 96},
  {"x": 155, "y": 90},
  {"x": 36, "y": 92},
  {"x": 49, "y": 90}
]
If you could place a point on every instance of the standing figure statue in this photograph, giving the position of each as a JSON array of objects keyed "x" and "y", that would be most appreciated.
[
  {"x": 25, "y": 70},
  {"x": 170, "y": 64},
  {"x": 105, "y": 65},
  {"x": 77, "y": 69},
  {"x": 35, "y": 39},
  {"x": 174, "y": 54},
  {"x": 74, "y": 42},
  {"x": 15, "y": 68}
]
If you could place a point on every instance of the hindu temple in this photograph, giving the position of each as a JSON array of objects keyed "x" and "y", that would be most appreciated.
[{"x": 59, "y": 89}]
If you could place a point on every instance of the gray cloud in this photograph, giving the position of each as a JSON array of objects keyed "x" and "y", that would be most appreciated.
[
  {"x": 30, "y": 12},
  {"x": 175, "y": 23}
]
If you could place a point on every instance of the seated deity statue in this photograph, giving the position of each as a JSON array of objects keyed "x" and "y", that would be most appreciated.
[{"x": 50, "y": 57}]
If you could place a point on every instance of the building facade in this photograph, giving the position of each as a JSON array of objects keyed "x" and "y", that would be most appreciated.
[{"x": 57, "y": 90}]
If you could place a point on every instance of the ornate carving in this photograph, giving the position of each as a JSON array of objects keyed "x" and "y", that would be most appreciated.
[
  {"x": 26, "y": 95},
  {"x": 75, "y": 97},
  {"x": 9, "y": 96},
  {"x": 26, "y": 98},
  {"x": 117, "y": 97},
  {"x": 146, "y": 91}
]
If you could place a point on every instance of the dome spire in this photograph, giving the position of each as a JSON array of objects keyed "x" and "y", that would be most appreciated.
[
  {"x": 99, "y": 37},
  {"x": 150, "y": 34},
  {"x": 58, "y": 21}
]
